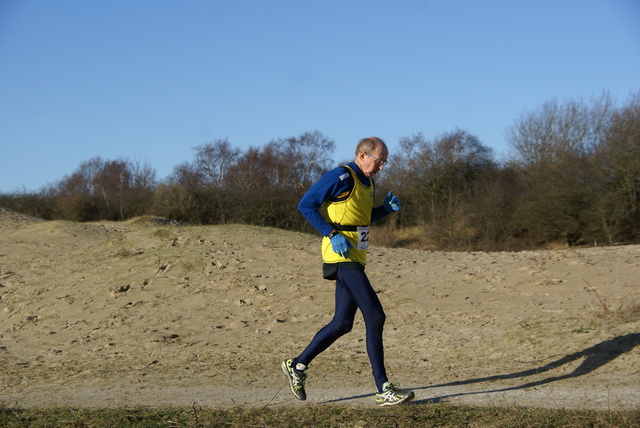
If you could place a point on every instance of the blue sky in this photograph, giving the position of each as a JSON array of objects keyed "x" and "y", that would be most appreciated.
[{"x": 151, "y": 79}]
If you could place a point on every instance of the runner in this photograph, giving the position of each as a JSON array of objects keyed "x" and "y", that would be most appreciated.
[{"x": 349, "y": 192}]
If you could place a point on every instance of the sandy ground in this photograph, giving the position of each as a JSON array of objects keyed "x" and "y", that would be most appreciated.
[{"x": 151, "y": 313}]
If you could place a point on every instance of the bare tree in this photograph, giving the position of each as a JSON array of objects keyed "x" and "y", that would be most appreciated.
[
  {"x": 438, "y": 177},
  {"x": 139, "y": 197},
  {"x": 75, "y": 194},
  {"x": 213, "y": 160},
  {"x": 555, "y": 148},
  {"x": 112, "y": 181},
  {"x": 620, "y": 155},
  {"x": 83, "y": 179},
  {"x": 101, "y": 189},
  {"x": 310, "y": 155},
  {"x": 143, "y": 175},
  {"x": 559, "y": 132}
]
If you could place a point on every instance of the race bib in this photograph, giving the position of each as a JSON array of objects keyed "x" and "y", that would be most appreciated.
[{"x": 363, "y": 237}]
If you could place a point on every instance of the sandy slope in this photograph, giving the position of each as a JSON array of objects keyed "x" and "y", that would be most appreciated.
[{"x": 148, "y": 313}]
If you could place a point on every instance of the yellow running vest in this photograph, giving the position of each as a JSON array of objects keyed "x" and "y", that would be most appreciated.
[{"x": 353, "y": 211}]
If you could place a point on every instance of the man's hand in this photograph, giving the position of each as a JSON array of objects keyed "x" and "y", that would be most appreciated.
[
  {"x": 340, "y": 245},
  {"x": 392, "y": 203}
]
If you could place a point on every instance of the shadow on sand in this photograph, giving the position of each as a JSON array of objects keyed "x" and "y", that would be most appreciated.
[{"x": 594, "y": 357}]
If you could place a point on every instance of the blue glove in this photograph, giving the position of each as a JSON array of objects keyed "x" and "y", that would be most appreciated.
[
  {"x": 340, "y": 245},
  {"x": 392, "y": 203}
]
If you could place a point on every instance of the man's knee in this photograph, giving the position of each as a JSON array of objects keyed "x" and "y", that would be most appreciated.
[
  {"x": 378, "y": 318},
  {"x": 343, "y": 328}
]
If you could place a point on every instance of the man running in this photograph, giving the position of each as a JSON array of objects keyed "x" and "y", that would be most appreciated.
[{"x": 349, "y": 193}]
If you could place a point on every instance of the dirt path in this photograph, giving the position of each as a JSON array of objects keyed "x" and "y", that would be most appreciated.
[{"x": 147, "y": 313}]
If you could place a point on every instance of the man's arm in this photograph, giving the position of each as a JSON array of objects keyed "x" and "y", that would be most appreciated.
[
  {"x": 390, "y": 205},
  {"x": 378, "y": 213},
  {"x": 328, "y": 187}
]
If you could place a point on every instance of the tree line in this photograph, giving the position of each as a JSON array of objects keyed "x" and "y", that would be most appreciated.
[{"x": 573, "y": 176}]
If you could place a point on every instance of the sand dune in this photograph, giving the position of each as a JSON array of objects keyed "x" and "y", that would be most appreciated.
[{"x": 151, "y": 313}]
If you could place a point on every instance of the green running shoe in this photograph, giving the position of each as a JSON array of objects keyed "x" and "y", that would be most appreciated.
[
  {"x": 296, "y": 379},
  {"x": 391, "y": 396}
]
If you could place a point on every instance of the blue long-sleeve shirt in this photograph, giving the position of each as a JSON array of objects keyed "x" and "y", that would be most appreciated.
[{"x": 328, "y": 188}]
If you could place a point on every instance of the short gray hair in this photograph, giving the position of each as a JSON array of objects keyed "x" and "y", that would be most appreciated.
[{"x": 370, "y": 144}]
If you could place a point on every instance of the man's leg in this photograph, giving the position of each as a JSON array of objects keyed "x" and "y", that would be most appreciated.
[
  {"x": 341, "y": 324},
  {"x": 357, "y": 284},
  {"x": 345, "y": 311}
]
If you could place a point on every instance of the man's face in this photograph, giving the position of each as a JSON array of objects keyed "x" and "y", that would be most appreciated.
[{"x": 372, "y": 162}]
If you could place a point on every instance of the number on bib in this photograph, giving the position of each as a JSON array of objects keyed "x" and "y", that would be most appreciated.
[{"x": 363, "y": 237}]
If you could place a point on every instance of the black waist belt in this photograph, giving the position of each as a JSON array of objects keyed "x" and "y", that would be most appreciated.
[{"x": 346, "y": 228}]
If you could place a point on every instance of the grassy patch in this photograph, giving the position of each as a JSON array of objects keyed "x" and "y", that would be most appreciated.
[
  {"x": 440, "y": 415},
  {"x": 622, "y": 311}
]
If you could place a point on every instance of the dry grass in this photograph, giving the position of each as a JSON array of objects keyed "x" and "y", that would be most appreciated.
[
  {"x": 618, "y": 309},
  {"x": 414, "y": 238},
  {"x": 435, "y": 415}
]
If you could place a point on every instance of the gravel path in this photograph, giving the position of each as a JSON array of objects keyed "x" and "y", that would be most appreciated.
[{"x": 489, "y": 394}]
